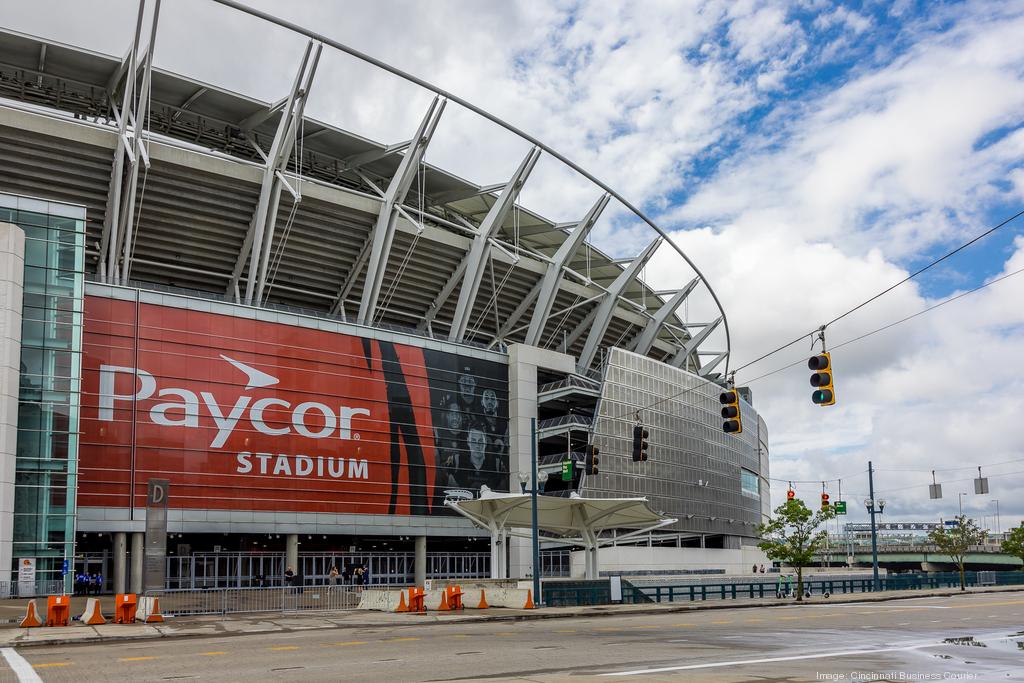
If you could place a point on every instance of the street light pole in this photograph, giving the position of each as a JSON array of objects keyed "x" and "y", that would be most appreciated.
[
  {"x": 874, "y": 529},
  {"x": 960, "y": 500},
  {"x": 998, "y": 529},
  {"x": 533, "y": 493}
]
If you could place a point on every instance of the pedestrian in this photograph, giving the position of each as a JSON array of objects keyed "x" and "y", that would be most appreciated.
[
  {"x": 762, "y": 569},
  {"x": 366, "y": 574},
  {"x": 332, "y": 576},
  {"x": 754, "y": 570},
  {"x": 99, "y": 584},
  {"x": 346, "y": 575},
  {"x": 289, "y": 576},
  {"x": 357, "y": 576}
]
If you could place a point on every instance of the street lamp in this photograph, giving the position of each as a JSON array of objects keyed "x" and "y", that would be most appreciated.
[
  {"x": 960, "y": 500},
  {"x": 998, "y": 529},
  {"x": 873, "y": 510}
]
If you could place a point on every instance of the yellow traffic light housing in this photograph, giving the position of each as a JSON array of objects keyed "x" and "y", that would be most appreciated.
[
  {"x": 824, "y": 392},
  {"x": 733, "y": 421}
]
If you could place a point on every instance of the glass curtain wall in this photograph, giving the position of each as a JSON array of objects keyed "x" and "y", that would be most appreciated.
[{"x": 47, "y": 450}]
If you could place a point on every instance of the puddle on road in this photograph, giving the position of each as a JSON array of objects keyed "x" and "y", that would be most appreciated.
[{"x": 1011, "y": 643}]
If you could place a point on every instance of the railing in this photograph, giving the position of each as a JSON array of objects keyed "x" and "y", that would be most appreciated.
[
  {"x": 238, "y": 600},
  {"x": 11, "y": 589}
]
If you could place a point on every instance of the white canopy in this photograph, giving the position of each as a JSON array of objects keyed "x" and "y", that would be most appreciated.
[{"x": 575, "y": 519}]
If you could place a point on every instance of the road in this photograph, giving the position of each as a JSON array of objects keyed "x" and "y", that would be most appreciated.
[{"x": 969, "y": 637}]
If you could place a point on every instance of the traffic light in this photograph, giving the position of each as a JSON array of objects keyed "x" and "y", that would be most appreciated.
[
  {"x": 731, "y": 411},
  {"x": 590, "y": 467},
  {"x": 790, "y": 494},
  {"x": 824, "y": 393},
  {"x": 639, "y": 443},
  {"x": 824, "y": 501}
]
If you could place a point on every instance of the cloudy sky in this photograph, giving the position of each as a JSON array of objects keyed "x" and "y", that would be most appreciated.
[{"x": 805, "y": 154}]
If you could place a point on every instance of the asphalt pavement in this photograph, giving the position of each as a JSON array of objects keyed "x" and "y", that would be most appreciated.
[{"x": 976, "y": 636}]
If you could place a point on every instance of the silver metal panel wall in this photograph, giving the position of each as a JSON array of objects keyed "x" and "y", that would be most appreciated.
[{"x": 693, "y": 471}]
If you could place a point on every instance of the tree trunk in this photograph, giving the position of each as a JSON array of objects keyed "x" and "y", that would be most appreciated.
[
  {"x": 799, "y": 584},
  {"x": 963, "y": 584}
]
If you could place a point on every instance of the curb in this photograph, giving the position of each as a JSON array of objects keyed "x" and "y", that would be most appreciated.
[{"x": 539, "y": 614}]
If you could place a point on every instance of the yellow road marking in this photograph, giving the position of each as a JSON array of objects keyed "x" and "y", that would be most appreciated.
[
  {"x": 210, "y": 654},
  {"x": 135, "y": 659},
  {"x": 789, "y": 618},
  {"x": 565, "y": 630},
  {"x": 722, "y": 622},
  {"x": 684, "y": 625},
  {"x": 607, "y": 628},
  {"x": 46, "y": 664},
  {"x": 346, "y": 643},
  {"x": 505, "y": 633},
  {"x": 285, "y": 647},
  {"x": 751, "y": 621},
  {"x": 399, "y": 640},
  {"x": 644, "y": 627}
]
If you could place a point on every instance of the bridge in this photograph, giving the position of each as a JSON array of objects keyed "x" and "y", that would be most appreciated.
[{"x": 919, "y": 556}]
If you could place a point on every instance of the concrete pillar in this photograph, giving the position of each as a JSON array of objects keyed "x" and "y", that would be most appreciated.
[
  {"x": 420, "y": 561},
  {"x": 12, "y": 276},
  {"x": 120, "y": 560},
  {"x": 522, "y": 401},
  {"x": 291, "y": 553},
  {"x": 138, "y": 550}
]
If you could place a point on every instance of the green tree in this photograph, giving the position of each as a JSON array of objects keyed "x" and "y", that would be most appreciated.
[
  {"x": 1014, "y": 543},
  {"x": 957, "y": 540},
  {"x": 792, "y": 537}
]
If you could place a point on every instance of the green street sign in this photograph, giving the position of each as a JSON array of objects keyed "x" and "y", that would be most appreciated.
[
  {"x": 567, "y": 470},
  {"x": 840, "y": 507}
]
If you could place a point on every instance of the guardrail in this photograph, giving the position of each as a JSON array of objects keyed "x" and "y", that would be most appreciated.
[
  {"x": 12, "y": 589},
  {"x": 240, "y": 600}
]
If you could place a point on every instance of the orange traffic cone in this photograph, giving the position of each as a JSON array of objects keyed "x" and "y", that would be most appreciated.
[
  {"x": 402, "y": 607},
  {"x": 483, "y": 601},
  {"x": 31, "y": 619},
  {"x": 154, "y": 616},
  {"x": 443, "y": 606},
  {"x": 529, "y": 599}
]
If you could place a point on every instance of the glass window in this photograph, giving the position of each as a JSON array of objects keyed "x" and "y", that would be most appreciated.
[{"x": 749, "y": 483}]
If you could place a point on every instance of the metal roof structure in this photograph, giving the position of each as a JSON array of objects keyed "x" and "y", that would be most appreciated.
[
  {"x": 572, "y": 519},
  {"x": 196, "y": 188}
]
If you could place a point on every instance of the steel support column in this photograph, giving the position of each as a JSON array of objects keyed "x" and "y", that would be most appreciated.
[
  {"x": 108, "y": 239},
  {"x": 553, "y": 275},
  {"x": 691, "y": 346},
  {"x": 252, "y": 247},
  {"x": 383, "y": 233},
  {"x": 604, "y": 311},
  {"x": 645, "y": 340},
  {"x": 480, "y": 249}
]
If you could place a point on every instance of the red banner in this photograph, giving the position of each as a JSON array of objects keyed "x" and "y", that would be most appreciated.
[{"x": 249, "y": 415}]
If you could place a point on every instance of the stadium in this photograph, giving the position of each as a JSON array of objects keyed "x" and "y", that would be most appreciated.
[{"x": 281, "y": 343}]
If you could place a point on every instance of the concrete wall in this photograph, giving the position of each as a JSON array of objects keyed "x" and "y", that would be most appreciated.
[
  {"x": 12, "y": 273},
  {"x": 625, "y": 558},
  {"x": 522, "y": 406}
]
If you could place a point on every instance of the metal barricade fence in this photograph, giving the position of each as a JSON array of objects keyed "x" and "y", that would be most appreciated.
[
  {"x": 238, "y": 600},
  {"x": 10, "y": 589}
]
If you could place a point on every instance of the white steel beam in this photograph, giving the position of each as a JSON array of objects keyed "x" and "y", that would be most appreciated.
[
  {"x": 252, "y": 246},
  {"x": 604, "y": 311},
  {"x": 383, "y": 233},
  {"x": 645, "y": 340},
  {"x": 706, "y": 368},
  {"x": 480, "y": 249},
  {"x": 127, "y": 219},
  {"x": 549, "y": 284},
  {"x": 691, "y": 346},
  {"x": 294, "y": 115},
  {"x": 108, "y": 241}
]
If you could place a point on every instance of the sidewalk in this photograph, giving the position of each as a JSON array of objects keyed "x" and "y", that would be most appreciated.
[{"x": 242, "y": 624}]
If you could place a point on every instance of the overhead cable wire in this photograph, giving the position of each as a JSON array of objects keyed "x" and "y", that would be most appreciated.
[{"x": 889, "y": 288}]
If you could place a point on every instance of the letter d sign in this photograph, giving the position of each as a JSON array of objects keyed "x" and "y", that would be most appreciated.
[{"x": 157, "y": 494}]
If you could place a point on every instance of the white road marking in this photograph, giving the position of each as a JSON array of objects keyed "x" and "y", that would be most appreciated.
[
  {"x": 917, "y": 607},
  {"x": 22, "y": 669},
  {"x": 769, "y": 660}
]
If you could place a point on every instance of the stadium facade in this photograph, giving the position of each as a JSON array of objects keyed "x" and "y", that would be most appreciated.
[{"x": 307, "y": 341}]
